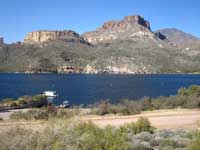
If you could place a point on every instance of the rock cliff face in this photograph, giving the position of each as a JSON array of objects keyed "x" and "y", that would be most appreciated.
[
  {"x": 45, "y": 36},
  {"x": 130, "y": 27},
  {"x": 120, "y": 65}
]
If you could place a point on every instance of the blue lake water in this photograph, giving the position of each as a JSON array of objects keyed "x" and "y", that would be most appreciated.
[{"x": 86, "y": 89}]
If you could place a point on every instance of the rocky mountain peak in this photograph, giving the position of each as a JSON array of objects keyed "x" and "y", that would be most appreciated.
[
  {"x": 45, "y": 36},
  {"x": 129, "y": 28},
  {"x": 137, "y": 20},
  {"x": 127, "y": 21}
]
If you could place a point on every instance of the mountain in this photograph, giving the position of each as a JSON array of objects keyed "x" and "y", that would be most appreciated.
[
  {"x": 129, "y": 28},
  {"x": 128, "y": 46},
  {"x": 178, "y": 37}
]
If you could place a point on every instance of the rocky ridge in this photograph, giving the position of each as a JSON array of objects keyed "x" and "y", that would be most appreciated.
[
  {"x": 129, "y": 28},
  {"x": 45, "y": 36}
]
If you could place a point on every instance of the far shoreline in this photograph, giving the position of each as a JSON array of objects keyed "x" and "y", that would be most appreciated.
[{"x": 142, "y": 74}]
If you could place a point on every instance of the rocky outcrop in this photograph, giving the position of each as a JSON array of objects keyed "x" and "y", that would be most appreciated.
[
  {"x": 69, "y": 69},
  {"x": 45, "y": 36},
  {"x": 129, "y": 20},
  {"x": 120, "y": 65},
  {"x": 130, "y": 27}
]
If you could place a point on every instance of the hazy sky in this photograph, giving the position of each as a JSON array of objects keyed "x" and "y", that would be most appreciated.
[{"x": 18, "y": 17}]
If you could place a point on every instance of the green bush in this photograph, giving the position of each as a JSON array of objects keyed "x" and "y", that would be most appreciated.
[
  {"x": 142, "y": 125},
  {"x": 195, "y": 144},
  {"x": 38, "y": 98}
]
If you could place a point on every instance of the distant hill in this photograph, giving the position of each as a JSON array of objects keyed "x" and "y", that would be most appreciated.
[
  {"x": 127, "y": 46},
  {"x": 178, "y": 37}
]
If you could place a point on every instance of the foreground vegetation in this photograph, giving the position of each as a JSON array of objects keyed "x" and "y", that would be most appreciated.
[
  {"x": 185, "y": 98},
  {"x": 62, "y": 134}
]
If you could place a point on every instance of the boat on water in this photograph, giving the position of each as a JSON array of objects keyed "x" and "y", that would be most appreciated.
[
  {"x": 52, "y": 94},
  {"x": 65, "y": 104}
]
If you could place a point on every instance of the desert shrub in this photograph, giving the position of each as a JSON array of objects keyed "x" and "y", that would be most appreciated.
[
  {"x": 146, "y": 103},
  {"x": 95, "y": 138},
  {"x": 139, "y": 145},
  {"x": 168, "y": 143},
  {"x": 35, "y": 114},
  {"x": 6, "y": 102},
  {"x": 142, "y": 125},
  {"x": 38, "y": 98},
  {"x": 192, "y": 102},
  {"x": 57, "y": 135},
  {"x": 124, "y": 107},
  {"x": 193, "y": 90},
  {"x": 130, "y": 107},
  {"x": 13, "y": 104},
  {"x": 18, "y": 138},
  {"x": 24, "y": 100},
  {"x": 103, "y": 107},
  {"x": 160, "y": 140},
  {"x": 67, "y": 113},
  {"x": 195, "y": 144}
]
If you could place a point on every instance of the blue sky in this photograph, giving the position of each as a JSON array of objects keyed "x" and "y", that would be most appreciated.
[{"x": 18, "y": 17}]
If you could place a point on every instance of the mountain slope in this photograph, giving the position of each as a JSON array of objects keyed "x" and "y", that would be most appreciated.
[{"x": 178, "y": 37}]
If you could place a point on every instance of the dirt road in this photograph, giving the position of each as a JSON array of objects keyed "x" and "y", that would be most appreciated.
[{"x": 163, "y": 119}]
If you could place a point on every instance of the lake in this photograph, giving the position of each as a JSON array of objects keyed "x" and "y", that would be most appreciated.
[{"x": 86, "y": 89}]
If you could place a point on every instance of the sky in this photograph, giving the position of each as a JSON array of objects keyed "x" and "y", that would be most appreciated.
[{"x": 18, "y": 17}]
